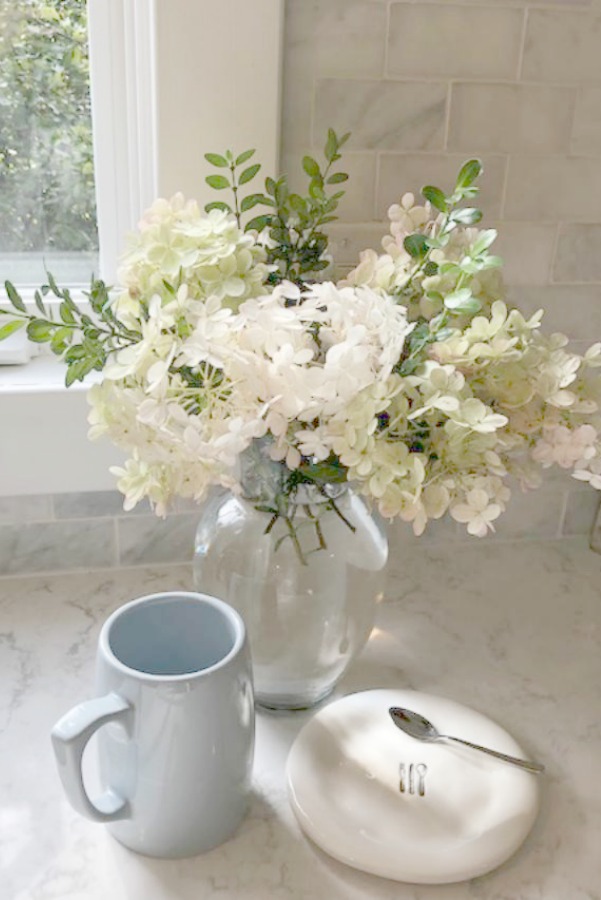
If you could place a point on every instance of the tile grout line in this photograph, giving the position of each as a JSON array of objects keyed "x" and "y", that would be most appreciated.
[
  {"x": 377, "y": 179},
  {"x": 520, "y": 67},
  {"x": 385, "y": 59},
  {"x": 577, "y": 92},
  {"x": 550, "y": 278},
  {"x": 503, "y": 204},
  {"x": 562, "y": 515},
  {"x": 447, "y": 122}
]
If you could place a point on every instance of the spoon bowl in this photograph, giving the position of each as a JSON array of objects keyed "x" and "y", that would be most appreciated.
[{"x": 420, "y": 728}]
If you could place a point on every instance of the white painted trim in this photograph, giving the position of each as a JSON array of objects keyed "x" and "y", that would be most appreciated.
[
  {"x": 171, "y": 80},
  {"x": 122, "y": 66}
]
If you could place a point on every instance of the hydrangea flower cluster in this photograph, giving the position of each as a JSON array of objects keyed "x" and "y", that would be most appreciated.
[
  {"x": 412, "y": 378},
  {"x": 426, "y": 413}
]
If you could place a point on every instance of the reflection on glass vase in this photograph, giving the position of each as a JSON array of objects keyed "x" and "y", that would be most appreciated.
[{"x": 306, "y": 583}]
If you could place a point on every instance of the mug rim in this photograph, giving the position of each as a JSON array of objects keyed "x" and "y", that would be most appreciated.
[{"x": 223, "y": 607}]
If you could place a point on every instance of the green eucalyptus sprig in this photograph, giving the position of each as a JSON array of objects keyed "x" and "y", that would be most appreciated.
[
  {"x": 297, "y": 245},
  {"x": 84, "y": 342},
  {"x": 420, "y": 246}
]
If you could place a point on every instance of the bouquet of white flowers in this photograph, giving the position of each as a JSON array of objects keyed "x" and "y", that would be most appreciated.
[{"x": 411, "y": 378}]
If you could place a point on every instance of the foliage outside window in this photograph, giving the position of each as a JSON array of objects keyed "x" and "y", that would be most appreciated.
[{"x": 47, "y": 201}]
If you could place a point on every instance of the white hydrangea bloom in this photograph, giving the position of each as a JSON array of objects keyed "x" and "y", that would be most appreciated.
[{"x": 426, "y": 410}]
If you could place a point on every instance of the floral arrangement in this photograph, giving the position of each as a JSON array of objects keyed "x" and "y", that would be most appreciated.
[{"x": 411, "y": 378}]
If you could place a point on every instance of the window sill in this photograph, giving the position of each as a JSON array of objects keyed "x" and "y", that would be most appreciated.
[{"x": 44, "y": 447}]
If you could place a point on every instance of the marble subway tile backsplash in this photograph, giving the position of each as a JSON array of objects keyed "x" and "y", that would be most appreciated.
[
  {"x": 447, "y": 39},
  {"x": 562, "y": 48},
  {"x": 363, "y": 108},
  {"x": 554, "y": 188},
  {"x": 510, "y": 118},
  {"x": 55, "y": 546},
  {"x": 90, "y": 530},
  {"x": 578, "y": 256},
  {"x": 148, "y": 539},
  {"x": 101, "y": 536},
  {"x": 586, "y": 130}
]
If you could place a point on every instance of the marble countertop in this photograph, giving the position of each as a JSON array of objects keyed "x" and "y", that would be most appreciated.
[{"x": 513, "y": 630}]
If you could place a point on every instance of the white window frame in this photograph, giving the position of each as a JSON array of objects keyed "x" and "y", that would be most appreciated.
[{"x": 152, "y": 124}]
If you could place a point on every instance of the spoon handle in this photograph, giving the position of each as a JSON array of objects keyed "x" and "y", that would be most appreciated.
[{"x": 523, "y": 763}]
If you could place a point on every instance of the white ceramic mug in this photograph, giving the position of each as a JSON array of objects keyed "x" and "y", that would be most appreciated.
[{"x": 175, "y": 700}]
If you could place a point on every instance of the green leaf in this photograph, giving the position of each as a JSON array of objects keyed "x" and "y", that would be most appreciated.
[
  {"x": 436, "y": 197},
  {"x": 249, "y": 173},
  {"x": 311, "y": 166},
  {"x": 243, "y": 157},
  {"x": 53, "y": 285},
  {"x": 324, "y": 473},
  {"x": 40, "y": 331},
  {"x": 281, "y": 191},
  {"x": 298, "y": 204},
  {"x": 270, "y": 186},
  {"x": 250, "y": 201},
  {"x": 219, "y": 182},
  {"x": 468, "y": 173},
  {"x": 462, "y": 301},
  {"x": 331, "y": 147},
  {"x": 60, "y": 340},
  {"x": 218, "y": 204},
  {"x": 39, "y": 303},
  {"x": 484, "y": 240},
  {"x": 78, "y": 370},
  {"x": 10, "y": 328},
  {"x": 337, "y": 178},
  {"x": 66, "y": 313},
  {"x": 469, "y": 215},
  {"x": 216, "y": 160},
  {"x": 76, "y": 351},
  {"x": 14, "y": 296},
  {"x": 416, "y": 245},
  {"x": 494, "y": 262},
  {"x": 258, "y": 223}
]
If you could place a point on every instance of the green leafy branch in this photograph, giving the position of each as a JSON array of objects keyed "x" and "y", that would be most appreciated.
[
  {"x": 233, "y": 182},
  {"x": 297, "y": 245},
  {"x": 461, "y": 301},
  {"x": 83, "y": 342}
]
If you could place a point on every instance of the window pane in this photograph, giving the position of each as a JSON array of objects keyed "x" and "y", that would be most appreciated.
[{"x": 47, "y": 204}]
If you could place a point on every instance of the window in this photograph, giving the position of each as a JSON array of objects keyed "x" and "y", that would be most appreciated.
[{"x": 47, "y": 199}]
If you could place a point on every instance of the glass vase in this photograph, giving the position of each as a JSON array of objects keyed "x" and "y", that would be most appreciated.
[{"x": 306, "y": 583}]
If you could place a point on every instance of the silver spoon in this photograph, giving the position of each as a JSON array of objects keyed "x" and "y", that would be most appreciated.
[{"x": 420, "y": 728}]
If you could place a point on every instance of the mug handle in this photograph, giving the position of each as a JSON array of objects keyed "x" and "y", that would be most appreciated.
[{"x": 69, "y": 738}]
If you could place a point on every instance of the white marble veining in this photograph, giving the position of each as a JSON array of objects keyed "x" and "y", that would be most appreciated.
[
  {"x": 512, "y": 118},
  {"x": 578, "y": 256},
  {"x": 511, "y": 630},
  {"x": 586, "y": 131},
  {"x": 363, "y": 108},
  {"x": 560, "y": 48},
  {"x": 424, "y": 39}
]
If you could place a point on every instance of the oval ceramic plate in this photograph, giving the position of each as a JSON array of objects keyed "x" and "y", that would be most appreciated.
[{"x": 381, "y": 801}]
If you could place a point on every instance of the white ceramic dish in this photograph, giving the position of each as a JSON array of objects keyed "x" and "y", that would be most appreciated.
[{"x": 460, "y": 814}]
